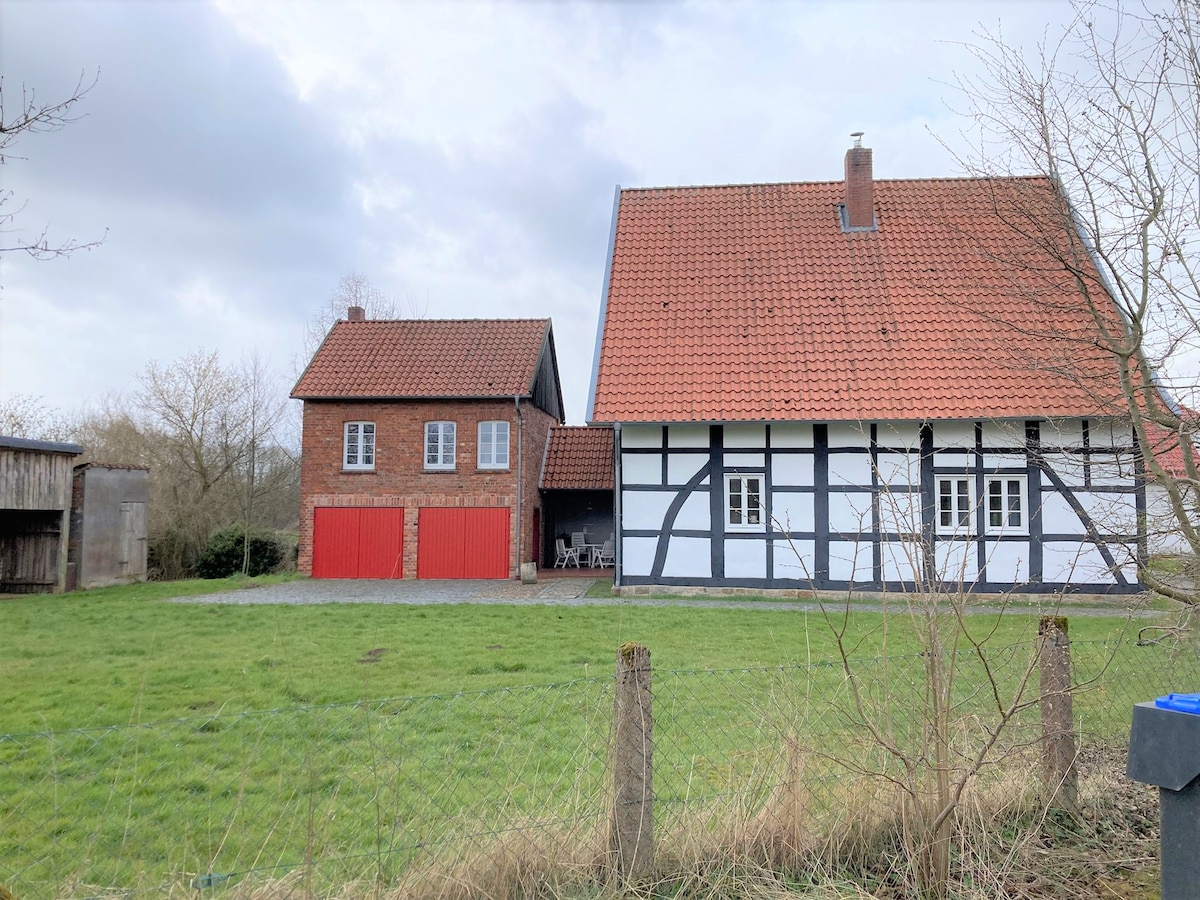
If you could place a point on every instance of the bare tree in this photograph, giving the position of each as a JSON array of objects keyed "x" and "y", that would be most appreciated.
[
  {"x": 354, "y": 289},
  {"x": 31, "y": 117},
  {"x": 26, "y": 416},
  {"x": 266, "y": 468},
  {"x": 1110, "y": 112}
]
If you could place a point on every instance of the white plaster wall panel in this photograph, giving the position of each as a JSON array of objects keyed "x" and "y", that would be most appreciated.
[
  {"x": 898, "y": 435},
  {"x": 644, "y": 510},
  {"x": 745, "y": 460},
  {"x": 1110, "y": 433},
  {"x": 1113, "y": 470},
  {"x": 687, "y": 435},
  {"x": 850, "y": 561},
  {"x": 1007, "y": 562},
  {"x": 1076, "y": 563},
  {"x": 796, "y": 560},
  {"x": 791, "y": 434},
  {"x": 849, "y": 513},
  {"x": 641, "y": 436},
  {"x": 792, "y": 512},
  {"x": 1162, "y": 528},
  {"x": 993, "y": 461},
  {"x": 956, "y": 561},
  {"x": 902, "y": 561},
  {"x": 1112, "y": 513},
  {"x": 964, "y": 461},
  {"x": 900, "y": 512},
  {"x": 792, "y": 469},
  {"x": 745, "y": 559},
  {"x": 742, "y": 436},
  {"x": 850, "y": 468},
  {"x": 641, "y": 468},
  {"x": 695, "y": 514},
  {"x": 849, "y": 434},
  {"x": 682, "y": 466},
  {"x": 1069, "y": 467},
  {"x": 637, "y": 555},
  {"x": 1062, "y": 433},
  {"x": 1004, "y": 434},
  {"x": 688, "y": 558},
  {"x": 953, "y": 434},
  {"x": 898, "y": 469},
  {"x": 1058, "y": 517}
]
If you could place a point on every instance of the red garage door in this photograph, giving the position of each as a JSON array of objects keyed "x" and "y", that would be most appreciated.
[
  {"x": 462, "y": 543},
  {"x": 357, "y": 542}
]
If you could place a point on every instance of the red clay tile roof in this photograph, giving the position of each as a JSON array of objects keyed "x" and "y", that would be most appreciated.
[
  {"x": 579, "y": 459},
  {"x": 425, "y": 358},
  {"x": 1165, "y": 446},
  {"x": 750, "y": 303}
]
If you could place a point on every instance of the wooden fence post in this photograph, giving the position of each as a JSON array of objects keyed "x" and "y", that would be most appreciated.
[
  {"x": 632, "y": 836},
  {"x": 1058, "y": 719}
]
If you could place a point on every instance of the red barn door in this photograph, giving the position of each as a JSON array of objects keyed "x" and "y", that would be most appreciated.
[
  {"x": 357, "y": 542},
  {"x": 463, "y": 543}
]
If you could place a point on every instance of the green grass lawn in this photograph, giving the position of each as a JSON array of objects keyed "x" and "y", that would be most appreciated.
[{"x": 396, "y": 724}]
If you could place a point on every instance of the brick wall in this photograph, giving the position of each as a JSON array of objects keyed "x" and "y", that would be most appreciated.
[{"x": 399, "y": 477}]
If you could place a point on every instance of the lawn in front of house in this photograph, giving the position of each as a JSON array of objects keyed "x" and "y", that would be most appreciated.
[{"x": 134, "y": 749}]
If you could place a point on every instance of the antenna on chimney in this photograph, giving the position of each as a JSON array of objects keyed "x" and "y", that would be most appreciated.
[{"x": 857, "y": 135}]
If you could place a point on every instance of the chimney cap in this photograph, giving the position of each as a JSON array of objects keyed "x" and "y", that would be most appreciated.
[{"x": 857, "y": 135}]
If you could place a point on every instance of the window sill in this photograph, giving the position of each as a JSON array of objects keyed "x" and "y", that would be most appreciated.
[
  {"x": 489, "y": 471},
  {"x": 358, "y": 471},
  {"x": 446, "y": 471}
]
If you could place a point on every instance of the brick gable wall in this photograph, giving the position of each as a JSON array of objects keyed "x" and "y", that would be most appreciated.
[{"x": 399, "y": 478}]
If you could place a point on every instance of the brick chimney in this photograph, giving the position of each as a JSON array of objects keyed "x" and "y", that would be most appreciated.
[
  {"x": 860, "y": 187},
  {"x": 358, "y": 314}
]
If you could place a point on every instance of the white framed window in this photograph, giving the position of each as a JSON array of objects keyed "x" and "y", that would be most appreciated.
[
  {"x": 358, "y": 445},
  {"x": 439, "y": 445},
  {"x": 954, "y": 505},
  {"x": 493, "y": 445},
  {"x": 743, "y": 503},
  {"x": 1005, "y": 507}
]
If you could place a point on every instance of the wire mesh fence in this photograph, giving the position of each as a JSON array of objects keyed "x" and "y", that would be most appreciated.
[{"x": 379, "y": 792}]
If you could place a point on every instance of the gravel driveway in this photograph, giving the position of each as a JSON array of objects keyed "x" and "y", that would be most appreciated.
[{"x": 558, "y": 592}]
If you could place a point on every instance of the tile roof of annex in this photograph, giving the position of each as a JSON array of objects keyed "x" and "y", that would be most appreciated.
[
  {"x": 579, "y": 459},
  {"x": 750, "y": 303},
  {"x": 425, "y": 358}
]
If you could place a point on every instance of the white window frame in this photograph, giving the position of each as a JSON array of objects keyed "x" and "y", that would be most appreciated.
[
  {"x": 488, "y": 451},
  {"x": 447, "y": 439},
  {"x": 744, "y": 510},
  {"x": 961, "y": 507},
  {"x": 361, "y": 436},
  {"x": 1013, "y": 496}
]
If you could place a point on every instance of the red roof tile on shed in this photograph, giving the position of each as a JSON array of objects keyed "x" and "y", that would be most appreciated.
[
  {"x": 579, "y": 459},
  {"x": 745, "y": 303},
  {"x": 425, "y": 358}
]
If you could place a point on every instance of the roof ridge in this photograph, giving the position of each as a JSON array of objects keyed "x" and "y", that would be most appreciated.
[
  {"x": 839, "y": 181},
  {"x": 445, "y": 321}
]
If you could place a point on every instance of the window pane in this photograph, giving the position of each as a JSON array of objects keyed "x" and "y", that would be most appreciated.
[
  {"x": 753, "y": 510},
  {"x": 964, "y": 504},
  {"x": 448, "y": 444},
  {"x": 735, "y": 501},
  {"x": 500, "y": 454},
  {"x": 995, "y": 505},
  {"x": 1014, "y": 504},
  {"x": 945, "y": 504}
]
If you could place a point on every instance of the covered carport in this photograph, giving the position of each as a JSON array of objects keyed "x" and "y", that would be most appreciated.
[{"x": 577, "y": 487}]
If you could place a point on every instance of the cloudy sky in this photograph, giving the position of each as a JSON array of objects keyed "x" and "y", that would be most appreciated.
[{"x": 242, "y": 157}]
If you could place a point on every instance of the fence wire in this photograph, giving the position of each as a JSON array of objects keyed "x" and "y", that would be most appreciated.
[{"x": 373, "y": 791}]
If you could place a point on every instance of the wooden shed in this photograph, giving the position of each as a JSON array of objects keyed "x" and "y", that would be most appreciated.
[{"x": 35, "y": 511}]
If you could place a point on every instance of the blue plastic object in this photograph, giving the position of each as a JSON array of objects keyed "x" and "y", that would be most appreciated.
[{"x": 1184, "y": 703}]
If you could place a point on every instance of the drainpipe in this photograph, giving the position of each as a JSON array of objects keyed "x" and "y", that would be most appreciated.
[
  {"x": 617, "y": 505},
  {"x": 520, "y": 482}
]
